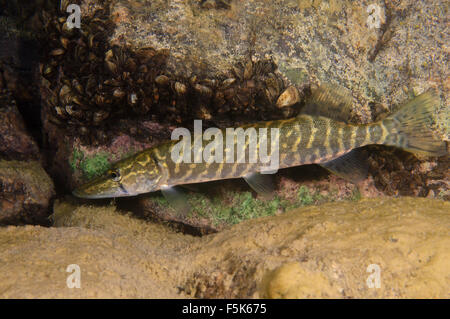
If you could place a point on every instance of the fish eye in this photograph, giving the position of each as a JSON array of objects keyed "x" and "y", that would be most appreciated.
[{"x": 115, "y": 176}]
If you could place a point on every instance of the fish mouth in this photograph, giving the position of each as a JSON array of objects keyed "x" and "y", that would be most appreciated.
[{"x": 79, "y": 194}]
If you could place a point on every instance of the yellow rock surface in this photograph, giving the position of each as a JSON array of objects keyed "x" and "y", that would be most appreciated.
[{"x": 313, "y": 252}]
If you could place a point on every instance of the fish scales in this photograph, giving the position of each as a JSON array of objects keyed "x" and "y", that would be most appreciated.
[
  {"x": 305, "y": 139},
  {"x": 302, "y": 140}
]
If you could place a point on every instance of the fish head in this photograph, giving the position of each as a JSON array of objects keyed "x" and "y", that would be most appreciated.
[{"x": 129, "y": 177}]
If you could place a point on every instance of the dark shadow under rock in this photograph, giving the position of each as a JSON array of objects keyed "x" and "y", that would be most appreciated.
[{"x": 15, "y": 142}]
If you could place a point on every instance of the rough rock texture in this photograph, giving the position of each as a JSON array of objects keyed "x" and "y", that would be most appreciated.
[
  {"x": 320, "y": 251},
  {"x": 320, "y": 40},
  {"x": 25, "y": 193},
  {"x": 15, "y": 141},
  {"x": 19, "y": 78}
]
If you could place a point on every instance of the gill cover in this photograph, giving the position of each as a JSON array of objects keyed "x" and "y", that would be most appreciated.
[{"x": 132, "y": 176}]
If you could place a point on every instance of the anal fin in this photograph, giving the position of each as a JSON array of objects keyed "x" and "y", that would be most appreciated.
[{"x": 352, "y": 166}]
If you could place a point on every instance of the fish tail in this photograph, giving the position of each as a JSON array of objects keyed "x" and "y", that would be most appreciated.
[{"x": 410, "y": 127}]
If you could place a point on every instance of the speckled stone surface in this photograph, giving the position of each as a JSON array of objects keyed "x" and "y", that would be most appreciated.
[
  {"x": 25, "y": 192},
  {"x": 310, "y": 41}
]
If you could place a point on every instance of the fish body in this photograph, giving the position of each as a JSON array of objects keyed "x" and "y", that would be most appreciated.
[
  {"x": 305, "y": 139},
  {"x": 302, "y": 140}
]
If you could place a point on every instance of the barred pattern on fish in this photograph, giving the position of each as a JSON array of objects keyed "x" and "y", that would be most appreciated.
[{"x": 305, "y": 139}]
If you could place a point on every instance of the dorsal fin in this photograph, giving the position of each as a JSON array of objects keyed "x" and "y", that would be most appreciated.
[{"x": 330, "y": 101}]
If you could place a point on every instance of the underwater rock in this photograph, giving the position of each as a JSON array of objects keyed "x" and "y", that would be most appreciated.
[
  {"x": 291, "y": 281},
  {"x": 25, "y": 193},
  {"x": 382, "y": 55},
  {"x": 398, "y": 173},
  {"x": 15, "y": 141},
  {"x": 20, "y": 29},
  {"x": 90, "y": 82},
  {"x": 338, "y": 250}
]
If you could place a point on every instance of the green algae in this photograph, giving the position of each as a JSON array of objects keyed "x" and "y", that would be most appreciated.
[
  {"x": 234, "y": 207},
  {"x": 243, "y": 206},
  {"x": 89, "y": 166}
]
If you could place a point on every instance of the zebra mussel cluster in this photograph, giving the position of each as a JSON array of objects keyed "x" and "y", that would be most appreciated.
[{"x": 92, "y": 85}]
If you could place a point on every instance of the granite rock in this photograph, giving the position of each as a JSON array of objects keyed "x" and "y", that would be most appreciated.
[{"x": 25, "y": 193}]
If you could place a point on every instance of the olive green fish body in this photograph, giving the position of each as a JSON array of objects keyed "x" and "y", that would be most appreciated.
[{"x": 302, "y": 140}]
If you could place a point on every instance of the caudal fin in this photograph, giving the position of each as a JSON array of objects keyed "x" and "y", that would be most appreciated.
[{"x": 410, "y": 127}]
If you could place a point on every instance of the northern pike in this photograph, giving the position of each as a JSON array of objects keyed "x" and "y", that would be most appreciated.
[{"x": 319, "y": 135}]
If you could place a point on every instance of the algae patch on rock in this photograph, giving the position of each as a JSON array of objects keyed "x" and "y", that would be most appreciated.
[
  {"x": 220, "y": 204},
  {"x": 325, "y": 250}
]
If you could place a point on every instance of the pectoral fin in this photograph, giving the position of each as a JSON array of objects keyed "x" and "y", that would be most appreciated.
[
  {"x": 177, "y": 199},
  {"x": 352, "y": 166},
  {"x": 261, "y": 183}
]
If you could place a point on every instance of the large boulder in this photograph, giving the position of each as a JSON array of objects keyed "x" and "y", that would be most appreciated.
[
  {"x": 388, "y": 248},
  {"x": 25, "y": 193}
]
